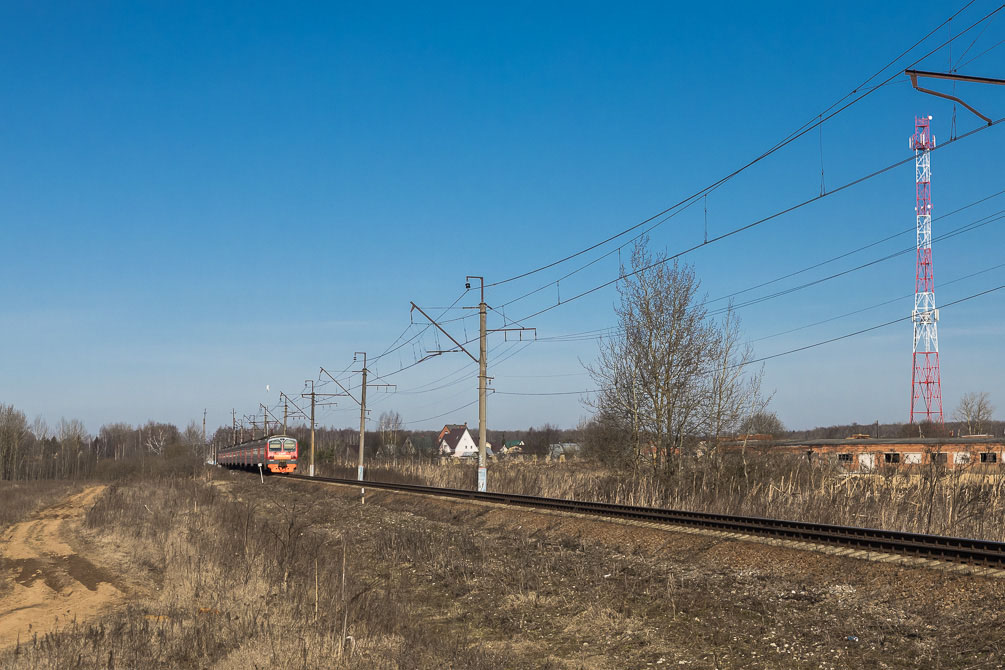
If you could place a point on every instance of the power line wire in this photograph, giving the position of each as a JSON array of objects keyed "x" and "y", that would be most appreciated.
[
  {"x": 789, "y": 351},
  {"x": 755, "y": 223},
  {"x": 807, "y": 127},
  {"x": 879, "y": 304},
  {"x": 998, "y": 216}
]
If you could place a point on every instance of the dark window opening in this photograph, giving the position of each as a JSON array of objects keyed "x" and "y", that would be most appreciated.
[
  {"x": 989, "y": 457},
  {"x": 845, "y": 458},
  {"x": 891, "y": 457},
  {"x": 940, "y": 458}
]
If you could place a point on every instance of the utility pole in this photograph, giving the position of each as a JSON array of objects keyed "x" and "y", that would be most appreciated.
[
  {"x": 286, "y": 413},
  {"x": 482, "y": 383},
  {"x": 314, "y": 396},
  {"x": 362, "y": 405},
  {"x": 362, "y": 419},
  {"x": 204, "y": 426},
  {"x": 312, "y": 428},
  {"x": 482, "y": 361},
  {"x": 233, "y": 429}
]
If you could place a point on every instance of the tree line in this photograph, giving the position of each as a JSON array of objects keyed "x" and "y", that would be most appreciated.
[{"x": 31, "y": 450}]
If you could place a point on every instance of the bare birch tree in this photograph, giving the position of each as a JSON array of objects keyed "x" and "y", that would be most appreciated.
[
  {"x": 389, "y": 425},
  {"x": 13, "y": 431},
  {"x": 115, "y": 439},
  {"x": 673, "y": 377},
  {"x": 72, "y": 436}
]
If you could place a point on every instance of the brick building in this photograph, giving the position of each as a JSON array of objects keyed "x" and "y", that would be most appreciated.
[{"x": 864, "y": 454}]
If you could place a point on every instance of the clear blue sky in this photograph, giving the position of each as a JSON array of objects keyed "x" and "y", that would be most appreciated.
[{"x": 200, "y": 199}]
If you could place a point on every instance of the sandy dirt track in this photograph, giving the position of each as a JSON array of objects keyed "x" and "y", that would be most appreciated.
[{"x": 46, "y": 583}]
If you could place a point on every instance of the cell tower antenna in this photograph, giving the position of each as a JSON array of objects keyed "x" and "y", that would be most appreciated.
[{"x": 926, "y": 383}]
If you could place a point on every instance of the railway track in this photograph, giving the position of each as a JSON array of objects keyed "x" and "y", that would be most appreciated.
[{"x": 984, "y": 553}]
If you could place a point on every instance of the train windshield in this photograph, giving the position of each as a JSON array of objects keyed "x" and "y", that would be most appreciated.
[
  {"x": 290, "y": 445},
  {"x": 275, "y": 445}
]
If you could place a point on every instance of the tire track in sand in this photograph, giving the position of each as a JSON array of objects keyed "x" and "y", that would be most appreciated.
[{"x": 50, "y": 584}]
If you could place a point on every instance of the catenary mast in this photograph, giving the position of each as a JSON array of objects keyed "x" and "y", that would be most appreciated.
[{"x": 926, "y": 386}]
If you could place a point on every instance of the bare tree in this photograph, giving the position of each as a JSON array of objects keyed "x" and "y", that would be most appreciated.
[
  {"x": 40, "y": 428},
  {"x": 673, "y": 375},
  {"x": 389, "y": 425},
  {"x": 192, "y": 438},
  {"x": 156, "y": 437},
  {"x": 13, "y": 431},
  {"x": 115, "y": 439},
  {"x": 975, "y": 410},
  {"x": 155, "y": 441},
  {"x": 72, "y": 436},
  {"x": 734, "y": 395},
  {"x": 71, "y": 433},
  {"x": 763, "y": 423}
]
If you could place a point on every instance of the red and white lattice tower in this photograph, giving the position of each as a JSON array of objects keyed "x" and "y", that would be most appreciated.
[{"x": 926, "y": 386}]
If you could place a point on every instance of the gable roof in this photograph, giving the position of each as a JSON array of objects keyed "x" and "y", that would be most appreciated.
[{"x": 449, "y": 427}]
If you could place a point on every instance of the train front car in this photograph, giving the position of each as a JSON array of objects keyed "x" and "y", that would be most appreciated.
[{"x": 282, "y": 455}]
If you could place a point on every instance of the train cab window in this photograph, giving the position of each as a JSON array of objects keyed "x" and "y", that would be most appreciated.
[
  {"x": 844, "y": 458},
  {"x": 290, "y": 445},
  {"x": 275, "y": 445},
  {"x": 940, "y": 458},
  {"x": 891, "y": 457},
  {"x": 989, "y": 457}
]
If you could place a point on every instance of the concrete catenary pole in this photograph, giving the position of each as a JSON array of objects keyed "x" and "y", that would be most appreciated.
[
  {"x": 362, "y": 420},
  {"x": 312, "y": 428},
  {"x": 482, "y": 384}
]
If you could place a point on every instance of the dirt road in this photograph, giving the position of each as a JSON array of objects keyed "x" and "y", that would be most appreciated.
[{"x": 47, "y": 584}]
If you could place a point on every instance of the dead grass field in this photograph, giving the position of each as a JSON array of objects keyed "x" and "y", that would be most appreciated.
[
  {"x": 965, "y": 502},
  {"x": 244, "y": 575},
  {"x": 18, "y": 500}
]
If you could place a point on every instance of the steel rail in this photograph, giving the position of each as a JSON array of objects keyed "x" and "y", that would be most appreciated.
[{"x": 969, "y": 551}]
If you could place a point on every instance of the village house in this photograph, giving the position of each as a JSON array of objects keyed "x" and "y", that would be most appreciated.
[
  {"x": 456, "y": 441},
  {"x": 512, "y": 447}
]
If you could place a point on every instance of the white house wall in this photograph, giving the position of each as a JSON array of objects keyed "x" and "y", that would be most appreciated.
[{"x": 466, "y": 445}]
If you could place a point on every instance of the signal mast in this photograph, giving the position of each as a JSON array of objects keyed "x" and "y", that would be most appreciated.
[{"x": 926, "y": 385}]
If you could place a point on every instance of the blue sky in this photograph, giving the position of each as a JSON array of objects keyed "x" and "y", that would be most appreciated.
[{"x": 200, "y": 201}]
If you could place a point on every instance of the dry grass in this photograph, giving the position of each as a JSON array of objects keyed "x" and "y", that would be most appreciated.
[
  {"x": 233, "y": 586},
  {"x": 292, "y": 575},
  {"x": 962, "y": 502},
  {"x": 18, "y": 500}
]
